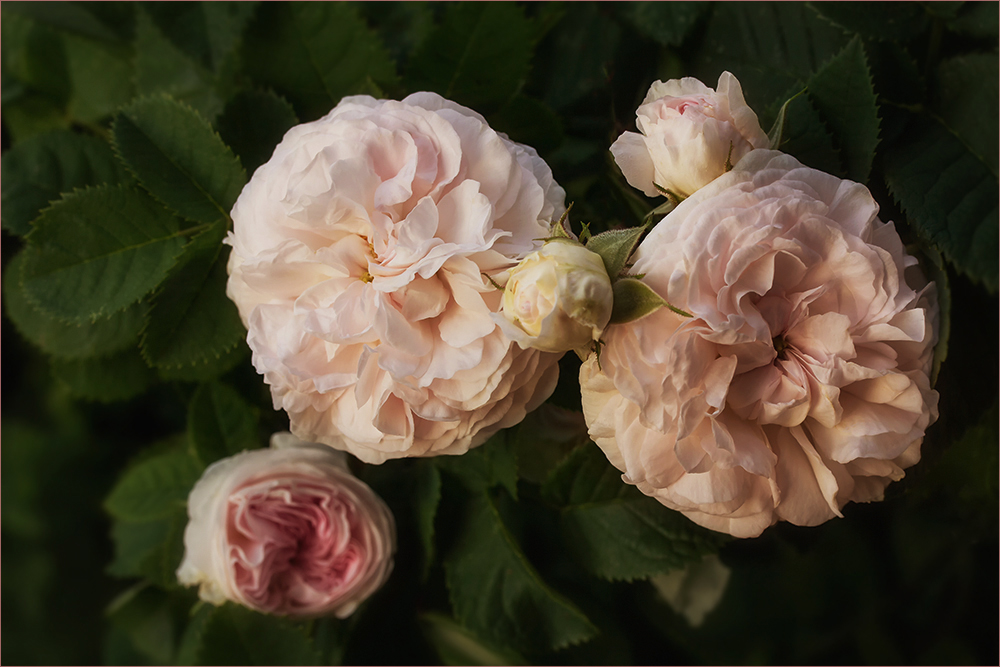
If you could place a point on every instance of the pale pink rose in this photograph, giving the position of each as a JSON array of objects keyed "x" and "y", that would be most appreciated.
[
  {"x": 288, "y": 531},
  {"x": 359, "y": 254},
  {"x": 686, "y": 131},
  {"x": 801, "y": 382}
]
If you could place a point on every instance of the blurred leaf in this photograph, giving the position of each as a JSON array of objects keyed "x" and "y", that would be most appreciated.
[
  {"x": 102, "y": 77},
  {"x": 574, "y": 58},
  {"x": 457, "y": 646},
  {"x": 426, "y": 498},
  {"x": 220, "y": 423},
  {"x": 192, "y": 321},
  {"x": 154, "y": 488},
  {"x": 842, "y": 92},
  {"x": 315, "y": 53},
  {"x": 529, "y": 121},
  {"x": 967, "y": 469},
  {"x": 206, "y": 31},
  {"x": 545, "y": 437},
  {"x": 976, "y": 19},
  {"x": 584, "y": 476},
  {"x": 496, "y": 593},
  {"x": 68, "y": 340},
  {"x": 254, "y": 142},
  {"x": 949, "y": 196},
  {"x": 37, "y": 170},
  {"x": 477, "y": 56},
  {"x": 769, "y": 46},
  {"x": 234, "y": 635},
  {"x": 36, "y": 55},
  {"x": 492, "y": 463},
  {"x": 98, "y": 251},
  {"x": 965, "y": 98},
  {"x": 160, "y": 67},
  {"x": 806, "y": 138},
  {"x": 893, "y": 21},
  {"x": 633, "y": 537},
  {"x": 145, "y": 616},
  {"x": 152, "y": 549},
  {"x": 31, "y": 115},
  {"x": 106, "y": 379},
  {"x": 666, "y": 22},
  {"x": 400, "y": 26},
  {"x": 212, "y": 369},
  {"x": 104, "y": 20},
  {"x": 179, "y": 158}
]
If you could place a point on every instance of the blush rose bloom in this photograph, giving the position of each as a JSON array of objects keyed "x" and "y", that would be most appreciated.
[
  {"x": 358, "y": 262},
  {"x": 288, "y": 531},
  {"x": 686, "y": 130},
  {"x": 801, "y": 382},
  {"x": 557, "y": 299}
]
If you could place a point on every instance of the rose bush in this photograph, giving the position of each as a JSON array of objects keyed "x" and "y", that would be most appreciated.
[
  {"x": 557, "y": 299},
  {"x": 687, "y": 134},
  {"x": 287, "y": 530},
  {"x": 359, "y": 254},
  {"x": 801, "y": 382}
]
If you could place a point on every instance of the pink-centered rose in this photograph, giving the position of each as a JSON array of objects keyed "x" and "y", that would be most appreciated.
[
  {"x": 801, "y": 382},
  {"x": 359, "y": 254},
  {"x": 287, "y": 530},
  {"x": 687, "y": 132}
]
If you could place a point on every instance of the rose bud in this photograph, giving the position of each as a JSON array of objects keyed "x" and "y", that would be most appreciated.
[
  {"x": 689, "y": 135},
  {"x": 287, "y": 531},
  {"x": 557, "y": 299}
]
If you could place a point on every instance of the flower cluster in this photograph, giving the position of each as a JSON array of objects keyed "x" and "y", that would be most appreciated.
[{"x": 408, "y": 287}]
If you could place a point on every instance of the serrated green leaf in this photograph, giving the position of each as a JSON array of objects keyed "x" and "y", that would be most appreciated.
[
  {"x": 615, "y": 247},
  {"x": 179, "y": 158},
  {"x": 666, "y": 22},
  {"x": 212, "y": 369},
  {"x": 426, "y": 497},
  {"x": 893, "y": 21},
  {"x": 633, "y": 538},
  {"x": 138, "y": 544},
  {"x": 769, "y": 46},
  {"x": 220, "y": 423},
  {"x": 492, "y": 463},
  {"x": 192, "y": 321},
  {"x": 68, "y": 340},
  {"x": 194, "y": 632},
  {"x": 206, "y": 31},
  {"x": 842, "y": 92},
  {"x": 154, "y": 488},
  {"x": 949, "y": 196},
  {"x": 457, "y": 646},
  {"x": 254, "y": 142},
  {"x": 101, "y": 76},
  {"x": 234, "y": 635},
  {"x": 458, "y": 59},
  {"x": 147, "y": 616},
  {"x": 584, "y": 476},
  {"x": 98, "y": 251},
  {"x": 965, "y": 98},
  {"x": 106, "y": 379},
  {"x": 805, "y": 137},
  {"x": 160, "y": 67},
  {"x": 315, "y": 53},
  {"x": 37, "y": 170},
  {"x": 496, "y": 593}
]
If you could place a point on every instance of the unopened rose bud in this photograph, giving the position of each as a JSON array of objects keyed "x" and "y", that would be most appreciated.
[
  {"x": 689, "y": 135},
  {"x": 558, "y": 298}
]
